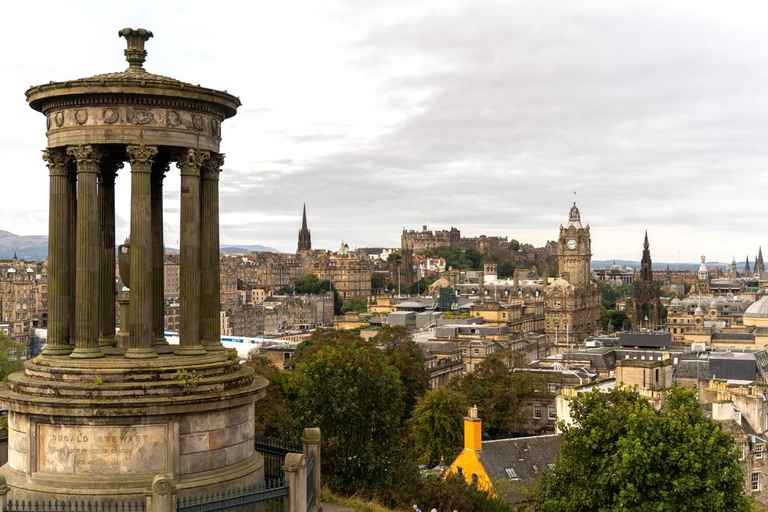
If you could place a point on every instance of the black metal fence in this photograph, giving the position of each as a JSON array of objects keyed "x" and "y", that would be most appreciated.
[
  {"x": 74, "y": 506},
  {"x": 271, "y": 496},
  {"x": 274, "y": 451}
]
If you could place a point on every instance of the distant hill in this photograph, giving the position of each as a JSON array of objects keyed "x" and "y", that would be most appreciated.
[
  {"x": 232, "y": 249},
  {"x": 29, "y": 248},
  {"x": 660, "y": 265},
  {"x": 35, "y": 247}
]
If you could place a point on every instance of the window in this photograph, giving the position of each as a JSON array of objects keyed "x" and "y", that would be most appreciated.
[
  {"x": 535, "y": 467},
  {"x": 474, "y": 478},
  {"x": 758, "y": 451},
  {"x": 552, "y": 388},
  {"x": 511, "y": 473},
  {"x": 550, "y": 465},
  {"x": 551, "y": 413},
  {"x": 476, "y": 351},
  {"x": 537, "y": 412},
  {"x": 459, "y": 470},
  {"x": 755, "y": 482},
  {"x": 743, "y": 452}
]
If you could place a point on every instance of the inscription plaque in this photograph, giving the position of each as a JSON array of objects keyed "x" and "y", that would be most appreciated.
[{"x": 91, "y": 450}]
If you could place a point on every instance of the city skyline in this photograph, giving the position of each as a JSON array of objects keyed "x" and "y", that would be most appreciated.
[{"x": 481, "y": 116}]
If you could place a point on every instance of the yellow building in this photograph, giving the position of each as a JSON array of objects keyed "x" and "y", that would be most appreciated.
[{"x": 505, "y": 467}]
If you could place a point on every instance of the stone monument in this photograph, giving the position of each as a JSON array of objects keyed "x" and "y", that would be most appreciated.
[{"x": 92, "y": 420}]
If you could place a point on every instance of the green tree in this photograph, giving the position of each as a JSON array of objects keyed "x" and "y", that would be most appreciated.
[
  {"x": 351, "y": 391},
  {"x": 378, "y": 281},
  {"x": 309, "y": 284},
  {"x": 437, "y": 425},
  {"x": 11, "y": 356},
  {"x": 285, "y": 290},
  {"x": 506, "y": 269},
  {"x": 514, "y": 245},
  {"x": 499, "y": 394},
  {"x": 405, "y": 354},
  {"x": 272, "y": 418},
  {"x": 421, "y": 286},
  {"x": 355, "y": 304},
  {"x": 622, "y": 454}
]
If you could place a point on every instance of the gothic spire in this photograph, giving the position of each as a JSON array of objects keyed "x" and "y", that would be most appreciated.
[
  {"x": 305, "y": 238},
  {"x": 747, "y": 269}
]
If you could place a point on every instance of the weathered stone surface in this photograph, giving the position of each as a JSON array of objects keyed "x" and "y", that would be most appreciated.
[
  {"x": 105, "y": 421},
  {"x": 89, "y": 450}
]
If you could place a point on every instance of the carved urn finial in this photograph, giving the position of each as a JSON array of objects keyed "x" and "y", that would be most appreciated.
[{"x": 135, "y": 54}]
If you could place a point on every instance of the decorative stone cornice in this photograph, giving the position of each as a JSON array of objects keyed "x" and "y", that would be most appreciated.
[
  {"x": 87, "y": 157},
  {"x": 212, "y": 167},
  {"x": 57, "y": 161},
  {"x": 141, "y": 157},
  {"x": 189, "y": 161}
]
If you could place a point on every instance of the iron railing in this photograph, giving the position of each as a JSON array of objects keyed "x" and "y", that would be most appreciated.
[
  {"x": 271, "y": 496},
  {"x": 274, "y": 452},
  {"x": 74, "y": 506}
]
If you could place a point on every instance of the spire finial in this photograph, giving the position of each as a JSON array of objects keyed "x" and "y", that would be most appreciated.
[{"x": 135, "y": 54}]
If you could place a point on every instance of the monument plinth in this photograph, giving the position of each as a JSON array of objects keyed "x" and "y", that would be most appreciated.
[{"x": 92, "y": 420}]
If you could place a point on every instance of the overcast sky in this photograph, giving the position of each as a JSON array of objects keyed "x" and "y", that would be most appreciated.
[{"x": 486, "y": 116}]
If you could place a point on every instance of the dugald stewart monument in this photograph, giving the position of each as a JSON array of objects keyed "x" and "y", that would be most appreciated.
[{"x": 103, "y": 416}]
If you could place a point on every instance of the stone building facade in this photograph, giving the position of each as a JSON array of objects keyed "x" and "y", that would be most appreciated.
[
  {"x": 572, "y": 308},
  {"x": 23, "y": 298}
]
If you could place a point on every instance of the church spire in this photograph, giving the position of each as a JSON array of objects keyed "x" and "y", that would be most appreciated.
[
  {"x": 305, "y": 238},
  {"x": 747, "y": 269}
]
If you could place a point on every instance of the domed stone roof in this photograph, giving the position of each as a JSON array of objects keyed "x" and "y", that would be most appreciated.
[
  {"x": 676, "y": 302},
  {"x": 758, "y": 310},
  {"x": 560, "y": 283}
]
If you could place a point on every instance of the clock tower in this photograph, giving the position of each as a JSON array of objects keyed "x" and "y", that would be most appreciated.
[
  {"x": 572, "y": 307},
  {"x": 574, "y": 250}
]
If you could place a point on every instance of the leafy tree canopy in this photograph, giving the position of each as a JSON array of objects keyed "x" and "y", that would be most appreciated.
[
  {"x": 351, "y": 391},
  {"x": 272, "y": 418},
  {"x": 405, "y": 355},
  {"x": 378, "y": 281},
  {"x": 11, "y": 356},
  {"x": 312, "y": 284},
  {"x": 499, "y": 394},
  {"x": 438, "y": 425},
  {"x": 355, "y": 304},
  {"x": 625, "y": 455}
]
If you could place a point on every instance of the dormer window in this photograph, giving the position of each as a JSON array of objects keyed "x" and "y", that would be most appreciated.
[{"x": 511, "y": 474}]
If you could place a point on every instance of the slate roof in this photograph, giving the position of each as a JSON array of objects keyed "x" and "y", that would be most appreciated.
[
  {"x": 692, "y": 368},
  {"x": 519, "y": 454}
]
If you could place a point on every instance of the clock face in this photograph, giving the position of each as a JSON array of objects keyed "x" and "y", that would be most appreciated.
[{"x": 571, "y": 243}]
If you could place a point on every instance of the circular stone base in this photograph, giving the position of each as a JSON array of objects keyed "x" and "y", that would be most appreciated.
[{"x": 104, "y": 428}]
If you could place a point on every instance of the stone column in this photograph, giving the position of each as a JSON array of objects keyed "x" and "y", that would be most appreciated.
[
  {"x": 72, "y": 251},
  {"x": 158, "y": 254},
  {"x": 311, "y": 445},
  {"x": 210, "y": 286},
  {"x": 295, "y": 469},
  {"x": 142, "y": 343},
  {"x": 107, "y": 256},
  {"x": 189, "y": 162},
  {"x": 88, "y": 160},
  {"x": 58, "y": 253}
]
